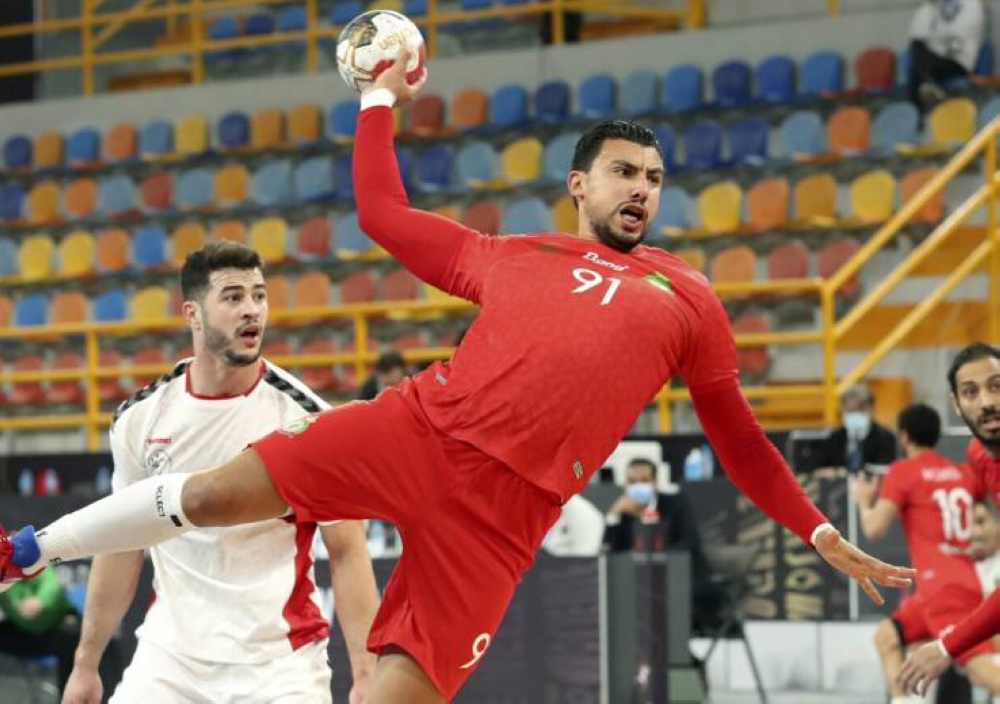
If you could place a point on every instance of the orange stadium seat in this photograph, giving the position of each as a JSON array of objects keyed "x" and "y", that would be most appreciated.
[
  {"x": 873, "y": 196},
  {"x": 278, "y": 348},
  {"x": 230, "y": 230},
  {"x": 756, "y": 359},
  {"x": 834, "y": 255},
  {"x": 693, "y": 256},
  {"x": 27, "y": 393},
  {"x": 43, "y": 203},
  {"x": 469, "y": 109},
  {"x": 80, "y": 198},
  {"x": 359, "y": 287},
  {"x": 849, "y": 131},
  {"x": 151, "y": 355},
  {"x": 120, "y": 143},
  {"x": 67, "y": 391},
  {"x": 157, "y": 191},
  {"x": 314, "y": 238},
  {"x": 768, "y": 203},
  {"x": 322, "y": 378},
  {"x": 35, "y": 257},
  {"x": 110, "y": 389},
  {"x": 312, "y": 290},
  {"x": 815, "y": 199},
  {"x": 400, "y": 285},
  {"x": 564, "y": 216},
  {"x": 733, "y": 265},
  {"x": 188, "y": 237},
  {"x": 305, "y": 124},
  {"x": 76, "y": 253},
  {"x": 49, "y": 150},
  {"x": 933, "y": 209},
  {"x": 789, "y": 260},
  {"x": 6, "y": 311},
  {"x": 483, "y": 216},
  {"x": 69, "y": 307},
  {"x": 278, "y": 292},
  {"x": 719, "y": 207},
  {"x": 230, "y": 185},
  {"x": 267, "y": 129},
  {"x": 113, "y": 250}
]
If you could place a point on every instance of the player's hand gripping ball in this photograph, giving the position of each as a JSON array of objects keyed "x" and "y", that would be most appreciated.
[{"x": 370, "y": 43}]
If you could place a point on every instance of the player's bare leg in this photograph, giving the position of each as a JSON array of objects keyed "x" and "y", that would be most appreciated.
[
  {"x": 890, "y": 652},
  {"x": 983, "y": 672},
  {"x": 399, "y": 679}
]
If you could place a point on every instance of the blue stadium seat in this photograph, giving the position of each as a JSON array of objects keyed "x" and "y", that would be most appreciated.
[
  {"x": 434, "y": 168},
  {"x": 11, "y": 202},
  {"x": 193, "y": 188},
  {"x": 149, "y": 246},
  {"x": 404, "y": 157},
  {"x": 32, "y": 309},
  {"x": 271, "y": 184},
  {"x": 8, "y": 257},
  {"x": 558, "y": 156},
  {"x": 639, "y": 93},
  {"x": 477, "y": 164},
  {"x": 508, "y": 107},
  {"x": 116, "y": 195},
  {"x": 156, "y": 139},
  {"x": 415, "y": 8},
  {"x": 17, "y": 152},
  {"x": 222, "y": 28},
  {"x": 344, "y": 120},
  {"x": 802, "y": 134},
  {"x": 233, "y": 130},
  {"x": 597, "y": 96},
  {"x": 984, "y": 62},
  {"x": 667, "y": 138},
  {"x": 683, "y": 89},
  {"x": 675, "y": 210},
  {"x": 313, "y": 180},
  {"x": 731, "y": 84},
  {"x": 349, "y": 235},
  {"x": 525, "y": 216},
  {"x": 292, "y": 19},
  {"x": 896, "y": 123},
  {"x": 552, "y": 102},
  {"x": 83, "y": 146},
  {"x": 776, "y": 79},
  {"x": 259, "y": 23},
  {"x": 110, "y": 306},
  {"x": 703, "y": 146},
  {"x": 343, "y": 179},
  {"x": 822, "y": 74},
  {"x": 343, "y": 12},
  {"x": 748, "y": 141}
]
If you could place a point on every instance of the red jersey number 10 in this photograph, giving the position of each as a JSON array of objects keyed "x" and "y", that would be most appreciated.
[{"x": 956, "y": 513}]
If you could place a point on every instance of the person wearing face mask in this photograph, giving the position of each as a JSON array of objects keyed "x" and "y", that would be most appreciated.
[
  {"x": 860, "y": 440},
  {"x": 945, "y": 40}
]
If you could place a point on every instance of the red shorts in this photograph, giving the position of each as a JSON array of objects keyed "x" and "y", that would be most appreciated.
[
  {"x": 920, "y": 618},
  {"x": 470, "y": 526}
]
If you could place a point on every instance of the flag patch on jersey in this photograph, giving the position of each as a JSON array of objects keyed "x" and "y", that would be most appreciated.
[{"x": 660, "y": 281}]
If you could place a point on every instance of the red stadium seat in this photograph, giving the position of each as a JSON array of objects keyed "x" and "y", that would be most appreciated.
[
  {"x": 752, "y": 360},
  {"x": 110, "y": 390},
  {"x": 875, "y": 69},
  {"x": 322, "y": 378},
  {"x": 833, "y": 256},
  {"x": 314, "y": 238},
  {"x": 358, "y": 288},
  {"x": 157, "y": 191},
  {"x": 400, "y": 285},
  {"x": 484, "y": 217},
  {"x": 426, "y": 118},
  {"x": 68, "y": 391},
  {"x": 788, "y": 261},
  {"x": 147, "y": 356},
  {"x": 27, "y": 393}
]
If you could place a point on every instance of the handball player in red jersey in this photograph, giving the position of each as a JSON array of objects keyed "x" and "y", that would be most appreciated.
[
  {"x": 975, "y": 385},
  {"x": 473, "y": 458}
]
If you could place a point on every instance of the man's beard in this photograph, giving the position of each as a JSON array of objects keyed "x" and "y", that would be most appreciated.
[
  {"x": 222, "y": 347},
  {"x": 607, "y": 235},
  {"x": 991, "y": 443}
]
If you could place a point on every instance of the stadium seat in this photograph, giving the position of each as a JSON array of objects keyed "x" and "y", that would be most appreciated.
[
  {"x": 351, "y": 240},
  {"x": 17, "y": 152},
  {"x": 703, "y": 146},
  {"x": 483, "y": 216},
  {"x": 83, "y": 148},
  {"x": 404, "y": 159},
  {"x": 69, "y": 307},
  {"x": 802, "y": 135},
  {"x": 731, "y": 83},
  {"x": 748, "y": 142},
  {"x": 110, "y": 306},
  {"x": 344, "y": 120},
  {"x": 156, "y": 192},
  {"x": 312, "y": 290},
  {"x": 343, "y": 12},
  {"x": 193, "y": 189},
  {"x": 768, "y": 203},
  {"x": 776, "y": 79},
  {"x": 564, "y": 215},
  {"x": 952, "y": 122},
  {"x": 822, "y": 75},
  {"x": 76, "y": 253},
  {"x": 147, "y": 356},
  {"x": 521, "y": 161},
  {"x": 314, "y": 239},
  {"x": 191, "y": 135},
  {"x": 400, "y": 285},
  {"x": 11, "y": 202},
  {"x": 150, "y": 303},
  {"x": 832, "y": 257},
  {"x": 426, "y": 116},
  {"x": 233, "y": 131},
  {"x": 120, "y": 143},
  {"x": 873, "y": 196},
  {"x": 683, "y": 89},
  {"x": 667, "y": 138},
  {"x": 552, "y": 102},
  {"x": 230, "y": 231},
  {"x": 734, "y": 264},
  {"x": 359, "y": 287},
  {"x": 525, "y": 216},
  {"x": 156, "y": 140},
  {"x": 66, "y": 391},
  {"x": 49, "y": 150},
  {"x": 257, "y": 24},
  {"x": 271, "y": 184},
  {"x": 875, "y": 69},
  {"x": 815, "y": 199},
  {"x": 43, "y": 203},
  {"x": 229, "y": 185},
  {"x": 31, "y": 310},
  {"x": 186, "y": 238},
  {"x": 675, "y": 211},
  {"x": 149, "y": 246},
  {"x": 116, "y": 195},
  {"x": 558, "y": 156},
  {"x": 469, "y": 109},
  {"x": 415, "y": 8},
  {"x": 932, "y": 211},
  {"x": 292, "y": 19},
  {"x": 322, "y": 378},
  {"x": 849, "y": 131},
  {"x": 508, "y": 107},
  {"x": 720, "y": 207},
  {"x": 80, "y": 198},
  {"x": 477, "y": 165},
  {"x": 113, "y": 249},
  {"x": 896, "y": 124},
  {"x": 597, "y": 97},
  {"x": 35, "y": 257},
  {"x": 6, "y": 311},
  {"x": 343, "y": 178},
  {"x": 26, "y": 393},
  {"x": 639, "y": 93},
  {"x": 752, "y": 359},
  {"x": 305, "y": 125},
  {"x": 267, "y": 129},
  {"x": 313, "y": 180},
  {"x": 789, "y": 260},
  {"x": 8, "y": 257},
  {"x": 693, "y": 257},
  {"x": 434, "y": 166},
  {"x": 110, "y": 389},
  {"x": 270, "y": 238}
]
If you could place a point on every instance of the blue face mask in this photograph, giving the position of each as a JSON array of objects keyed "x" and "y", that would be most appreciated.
[
  {"x": 641, "y": 493},
  {"x": 857, "y": 424}
]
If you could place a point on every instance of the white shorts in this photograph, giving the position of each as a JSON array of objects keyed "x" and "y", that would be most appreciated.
[{"x": 156, "y": 676}]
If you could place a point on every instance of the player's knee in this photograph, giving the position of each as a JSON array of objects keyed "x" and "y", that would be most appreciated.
[
  {"x": 983, "y": 673},
  {"x": 886, "y": 638}
]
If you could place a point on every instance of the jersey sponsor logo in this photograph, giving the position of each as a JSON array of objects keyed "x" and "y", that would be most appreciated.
[
  {"x": 479, "y": 646},
  {"x": 660, "y": 281},
  {"x": 940, "y": 474},
  {"x": 157, "y": 461},
  {"x": 299, "y": 425},
  {"x": 596, "y": 259},
  {"x": 159, "y": 441}
]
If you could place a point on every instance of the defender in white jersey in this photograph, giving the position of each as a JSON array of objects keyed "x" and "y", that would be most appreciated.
[{"x": 236, "y": 616}]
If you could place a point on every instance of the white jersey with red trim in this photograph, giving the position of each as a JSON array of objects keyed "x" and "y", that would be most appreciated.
[{"x": 244, "y": 594}]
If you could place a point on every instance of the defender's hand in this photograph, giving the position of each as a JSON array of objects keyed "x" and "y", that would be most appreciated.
[{"x": 860, "y": 566}]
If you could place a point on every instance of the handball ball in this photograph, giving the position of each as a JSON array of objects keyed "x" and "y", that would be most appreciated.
[{"x": 370, "y": 43}]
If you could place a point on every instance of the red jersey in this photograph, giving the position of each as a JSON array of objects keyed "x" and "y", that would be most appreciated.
[
  {"x": 935, "y": 497},
  {"x": 573, "y": 341},
  {"x": 986, "y": 468}
]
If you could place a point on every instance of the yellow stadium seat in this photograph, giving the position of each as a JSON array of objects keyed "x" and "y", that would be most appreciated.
[
  {"x": 270, "y": 238},
  {"x": 188, "y": 237},
  {"x": 43, "y": 203},
  {"x": 76, "y": 253},
  {"x": 394, "y": 5},
  {"x": 267, "y": 129},
  {"x": 953, "y": 121},
  {"x": 521, "y": 160},
  {"x": 191, "y": 135},
  {"x": 35, "y": 257},
  {"x": 816, "y": 200},
  {"x": 564, "y": 215},
  {"x": 230, "y": 185},
  {"x": 48, "y": 150},
  {"x": 305, "y": 124},
  {"x": 693, "y": 256},
  {"x": 720, "y": 206},
  {"x": 873, "y": 196},
  {"x": 150, "y": 303}
]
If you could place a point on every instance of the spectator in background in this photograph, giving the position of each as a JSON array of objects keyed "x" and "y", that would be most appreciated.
[
  {"x": 390, "y": 368},
  {"x": 945, "y": 39},
  {"x": 860, "y": 440}
]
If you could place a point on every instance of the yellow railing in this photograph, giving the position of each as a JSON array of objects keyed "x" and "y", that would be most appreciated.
[{"x": 95, "y": 28}]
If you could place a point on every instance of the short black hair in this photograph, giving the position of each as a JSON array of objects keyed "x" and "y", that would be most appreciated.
[
  {"x": 200, "y": 264},
  {"x": 922, "y": 423},
  {"x": 970, "y": 353},
  {"x": 388, "y": 361},
  {"x": 645, "y": 461},
  {"x": 589, "y": 144}
]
